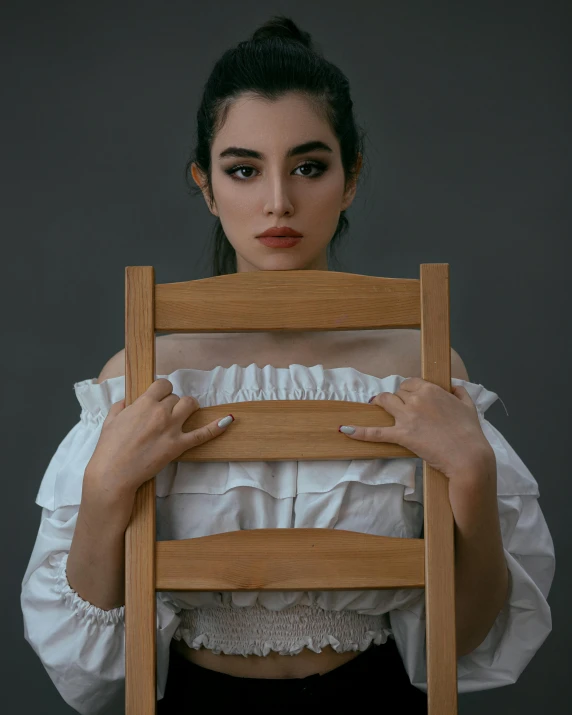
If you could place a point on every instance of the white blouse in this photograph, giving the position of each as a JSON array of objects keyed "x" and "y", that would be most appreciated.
[{"x": 82, "y": 646}]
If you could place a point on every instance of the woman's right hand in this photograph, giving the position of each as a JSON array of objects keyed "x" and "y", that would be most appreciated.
[{"x": 138, "y": 441}]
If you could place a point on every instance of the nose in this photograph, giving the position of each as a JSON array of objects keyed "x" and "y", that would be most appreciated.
[{"x": 278, "y": 201}]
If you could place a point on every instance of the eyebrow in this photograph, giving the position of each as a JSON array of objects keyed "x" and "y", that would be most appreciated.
[{"x": 294, "y": 151}]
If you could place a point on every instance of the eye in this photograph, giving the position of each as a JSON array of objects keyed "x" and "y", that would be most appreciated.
[{"x": 318, "y": 165}]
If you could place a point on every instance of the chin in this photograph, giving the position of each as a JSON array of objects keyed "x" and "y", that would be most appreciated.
[
  {"x": 281, "y": 263},
  {"x": 285, "y": 260}
]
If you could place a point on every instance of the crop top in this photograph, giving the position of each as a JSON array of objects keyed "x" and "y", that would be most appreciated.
[{"x": 82, "y": 646}]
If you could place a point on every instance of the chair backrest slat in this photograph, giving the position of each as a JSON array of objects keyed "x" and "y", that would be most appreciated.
[
  {"x": 290, "y": 560},
  {"x": 290, "y": 430},
  {"x": 287, "y": 300}
]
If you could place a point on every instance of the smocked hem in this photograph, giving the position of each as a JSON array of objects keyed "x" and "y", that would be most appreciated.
[
  {"x": 84, "y": 609},
  {"x": 283, "y": 647}
]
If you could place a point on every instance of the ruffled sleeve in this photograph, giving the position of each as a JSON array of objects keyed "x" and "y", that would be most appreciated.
[
  {"x": 525, "y": 621},
  {"x": 81, "y": 646}
]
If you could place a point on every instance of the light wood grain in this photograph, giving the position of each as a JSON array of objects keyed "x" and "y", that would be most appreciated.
[
  {"x": 287, "y": 300},
  {"x": 290, "y": 560},
  {"x": 140, "y": 536},
  {"x": 285, "y": 559}
]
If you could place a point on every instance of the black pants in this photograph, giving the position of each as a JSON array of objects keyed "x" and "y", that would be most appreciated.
[{"x": 376, "y": 679}]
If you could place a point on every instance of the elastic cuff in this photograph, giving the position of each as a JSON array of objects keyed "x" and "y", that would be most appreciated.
[{"x": 82, "y": 608}]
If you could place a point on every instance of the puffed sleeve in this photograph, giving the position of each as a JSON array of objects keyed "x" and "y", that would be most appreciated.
[
  {"x": 524, "y": 623},
  {"x": 81, "y": 646}
]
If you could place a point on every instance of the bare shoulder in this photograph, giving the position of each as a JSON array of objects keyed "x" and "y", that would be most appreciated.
[
  {"x": 409, "y": 346},
  {"x": 114, "y": 367},
  {"x": 166, "y": 350}
]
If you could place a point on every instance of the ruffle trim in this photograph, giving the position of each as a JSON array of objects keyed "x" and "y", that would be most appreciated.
[
  {"x": 83, "y": 609},
  {"x": 283, "y": 647},
  {"x": 236, "y": 384}
]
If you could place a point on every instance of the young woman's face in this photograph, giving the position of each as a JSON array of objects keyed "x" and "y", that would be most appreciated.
[{"x": 304, "y": 192}]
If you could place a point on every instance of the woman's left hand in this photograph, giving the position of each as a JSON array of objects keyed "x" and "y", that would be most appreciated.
[{"x": 440, "y": 427}]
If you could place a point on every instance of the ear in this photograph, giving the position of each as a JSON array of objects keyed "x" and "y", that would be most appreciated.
[
  {"x": 201, "y": 181},
  {"x": 350, "y": 192}
]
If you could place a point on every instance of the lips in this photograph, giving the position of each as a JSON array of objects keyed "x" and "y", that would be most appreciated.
[
  {"x": 280, "y": 232},
  {"x": 279, "y": 241}
]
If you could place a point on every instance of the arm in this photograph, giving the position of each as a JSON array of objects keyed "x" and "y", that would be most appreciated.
[
  {"x": 96, "y": 562},
  {"x": 481, "y": 571},
  {"x": 524, "y": 620},
  {"x": 79, "y": 635}
]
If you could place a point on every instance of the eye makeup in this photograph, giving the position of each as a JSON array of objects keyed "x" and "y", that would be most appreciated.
[{"x": 319, "y": 165}]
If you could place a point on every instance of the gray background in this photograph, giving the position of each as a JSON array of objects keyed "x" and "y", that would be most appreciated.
[{"x": 468, "y": 112}]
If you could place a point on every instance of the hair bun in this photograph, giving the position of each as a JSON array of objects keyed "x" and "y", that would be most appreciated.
[{"x": 283, "y": 27}]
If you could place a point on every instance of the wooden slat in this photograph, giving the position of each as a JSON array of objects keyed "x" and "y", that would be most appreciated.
[
  {"x": 290, "y": 430},
  {"x": 290, "y": 560},
  {"x": 287, "y": 300},
  {"x": 140, "y": 536},
  {"x": 438, "y": 516}
]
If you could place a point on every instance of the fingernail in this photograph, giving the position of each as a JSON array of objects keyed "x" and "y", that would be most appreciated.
[
  {"x": 371, "y": 398},
  {"x": 346, "y": 429},
  {"x": 226, "y": 421}
]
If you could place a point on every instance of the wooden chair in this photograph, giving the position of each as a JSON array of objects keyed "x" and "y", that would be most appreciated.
[{"x": 289, "y": 559}]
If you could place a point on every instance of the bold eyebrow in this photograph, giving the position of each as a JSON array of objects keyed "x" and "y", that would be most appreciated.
[{"x": 294, "y": 151}]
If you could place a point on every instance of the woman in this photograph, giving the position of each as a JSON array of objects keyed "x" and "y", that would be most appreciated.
[{"x": 278, "y": 147}]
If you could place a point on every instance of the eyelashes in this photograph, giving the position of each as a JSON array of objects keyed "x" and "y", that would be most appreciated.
[{"x": 320, "y": 166}]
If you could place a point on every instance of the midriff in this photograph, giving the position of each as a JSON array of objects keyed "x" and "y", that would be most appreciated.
[
  {"x": 273, "y": 665},
  {"x": 379, "y": 353}
]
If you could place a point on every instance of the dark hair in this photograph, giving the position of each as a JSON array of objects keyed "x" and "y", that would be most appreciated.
[{"x": 277, "y": 59}]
